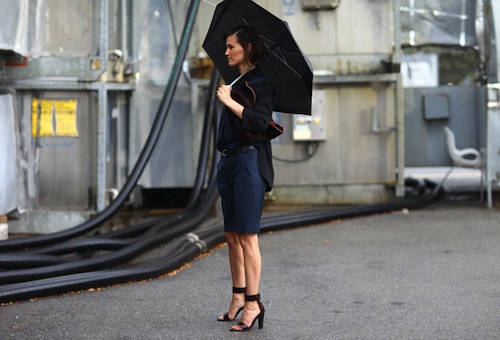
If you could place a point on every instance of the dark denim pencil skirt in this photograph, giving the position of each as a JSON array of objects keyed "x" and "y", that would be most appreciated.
[{"x": 242, "y": 190}]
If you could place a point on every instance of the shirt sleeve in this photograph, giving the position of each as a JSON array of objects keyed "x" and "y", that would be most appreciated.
[{"x": 258, "y": 118}]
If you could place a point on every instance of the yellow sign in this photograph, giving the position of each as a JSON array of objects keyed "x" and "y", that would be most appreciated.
[{"x": 54, "y": 118}]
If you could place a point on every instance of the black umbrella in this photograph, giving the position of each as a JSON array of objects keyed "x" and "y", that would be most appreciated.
[{"x": 286, "y": 65}]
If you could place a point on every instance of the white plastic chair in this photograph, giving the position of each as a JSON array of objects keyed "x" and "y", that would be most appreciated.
[{"x": 467, "y": 158}]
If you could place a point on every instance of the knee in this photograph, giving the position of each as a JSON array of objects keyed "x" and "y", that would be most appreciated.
[
  {"x": 232, "y": 239},
  {"x": 248, "y": 241}
]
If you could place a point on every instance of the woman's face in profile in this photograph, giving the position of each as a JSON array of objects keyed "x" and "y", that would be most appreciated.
[{"x": 234, "y": 52}]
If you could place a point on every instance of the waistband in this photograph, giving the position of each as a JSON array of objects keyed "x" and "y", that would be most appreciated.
[{"x": 244, "y": 148}]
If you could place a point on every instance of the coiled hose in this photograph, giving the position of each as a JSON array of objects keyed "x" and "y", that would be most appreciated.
[
  {"x": 107, "y": 213},
  {"x": 185, "y": 249}
]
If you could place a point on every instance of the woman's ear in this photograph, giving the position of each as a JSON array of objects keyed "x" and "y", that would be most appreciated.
[{"x": 249, "y": 47}]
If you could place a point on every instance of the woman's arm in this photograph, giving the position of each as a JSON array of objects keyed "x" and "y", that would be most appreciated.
[
  {"x": 224, "y": 95},
  {"x": 253, "y": 119}
]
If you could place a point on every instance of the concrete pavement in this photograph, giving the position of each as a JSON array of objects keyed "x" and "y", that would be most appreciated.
[{"x": 432, "y": 273}]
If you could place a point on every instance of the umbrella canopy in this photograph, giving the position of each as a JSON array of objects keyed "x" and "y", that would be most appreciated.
[{"x": 288, "y": 68}]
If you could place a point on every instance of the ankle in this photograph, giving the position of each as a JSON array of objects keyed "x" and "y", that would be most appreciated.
[
  {"x": 252, "y": 302},
  {"x": 237, "y": 290},
  {"x": 251, "y": 298},
  {"x": 238, "y": 301}
]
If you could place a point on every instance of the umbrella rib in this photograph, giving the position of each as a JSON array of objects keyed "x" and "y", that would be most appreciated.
[{"x": 286, "y": 64}]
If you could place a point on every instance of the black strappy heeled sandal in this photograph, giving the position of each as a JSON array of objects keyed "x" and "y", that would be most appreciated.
[
  {"x": 243, "y": 326},
  {"x": 225, "y": 317}
]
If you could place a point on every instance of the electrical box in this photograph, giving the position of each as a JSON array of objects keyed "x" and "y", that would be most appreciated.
[
  {"x": 436, "y": 106},
  {"x": 314, "y": 5},
  {"x": 313, "y": 127}
]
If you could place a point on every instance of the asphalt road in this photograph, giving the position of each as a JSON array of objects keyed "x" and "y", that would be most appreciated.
[{"x": 432, "y": 273}]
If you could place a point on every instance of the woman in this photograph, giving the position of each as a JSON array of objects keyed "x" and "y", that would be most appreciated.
[{"x": 244, "y": 174}]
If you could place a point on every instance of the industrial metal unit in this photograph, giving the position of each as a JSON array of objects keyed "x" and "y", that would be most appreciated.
[{"x": 81, "y": 82}]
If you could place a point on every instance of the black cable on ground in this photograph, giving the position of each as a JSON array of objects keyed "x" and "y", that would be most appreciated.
[
  {"x": 200, "y": 242},
  {"x": 38, "y": 256},
  {"x": 189, "y": 222},
  {"x": 99, "y": 219},
  {"x": 58, "y": 285},
  {"x": 77, "y": 246}
]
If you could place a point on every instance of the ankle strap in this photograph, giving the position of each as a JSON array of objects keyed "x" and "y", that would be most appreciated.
[
  {"x": 237, "y": 290},
  {"x": 252, "y": 297}
]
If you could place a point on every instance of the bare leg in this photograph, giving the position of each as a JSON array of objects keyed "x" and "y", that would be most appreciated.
[
  {"x": 252, "y": 260},
  {"x": 236, "y": 262}
]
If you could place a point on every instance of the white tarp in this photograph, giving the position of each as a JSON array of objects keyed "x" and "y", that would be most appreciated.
[
  {"x": 14, "y": 26},
  {"x": 8, "y": 197}
]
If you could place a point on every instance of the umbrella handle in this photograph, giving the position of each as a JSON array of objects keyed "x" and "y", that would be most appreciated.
[{"x": 241, "y": 75}]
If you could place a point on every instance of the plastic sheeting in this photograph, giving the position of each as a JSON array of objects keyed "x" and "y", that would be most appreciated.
[
  {"x": 48, "y": 27},
  {"x": 8, "y": 176},
  {"x": 441, "y": 22},
  {"x": 14, "y": 26},
  {"x": 64, "y": 28}
]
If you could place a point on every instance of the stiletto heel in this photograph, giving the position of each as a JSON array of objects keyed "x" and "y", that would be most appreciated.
[
  {"x": 225, "y": 317},
  {"x": 261, "y": 320},
  {"x": 243, "y": 326}
]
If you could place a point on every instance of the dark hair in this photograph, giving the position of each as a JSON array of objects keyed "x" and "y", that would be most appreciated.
[{"x": 247, "y": 35}]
